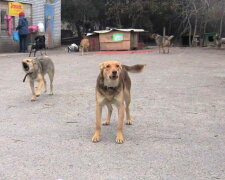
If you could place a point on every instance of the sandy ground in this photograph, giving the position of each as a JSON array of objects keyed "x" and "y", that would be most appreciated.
[{"x": 178, "y": 108}]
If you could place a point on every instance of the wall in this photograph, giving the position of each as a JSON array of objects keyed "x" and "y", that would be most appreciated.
[
  {"x": 106, "y": 42},
  {"x": 134, "y": 40},
  {"x": 94, "y": 43}
]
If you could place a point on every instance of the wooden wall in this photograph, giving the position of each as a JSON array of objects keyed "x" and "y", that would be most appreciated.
[{"x": 107, "y": 44}]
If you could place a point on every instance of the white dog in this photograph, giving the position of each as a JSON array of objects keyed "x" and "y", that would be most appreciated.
[{"x": 72, "y": 48}]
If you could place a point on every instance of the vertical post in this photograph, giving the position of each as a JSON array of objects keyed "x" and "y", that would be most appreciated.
[{"x": 164, "y": 33}]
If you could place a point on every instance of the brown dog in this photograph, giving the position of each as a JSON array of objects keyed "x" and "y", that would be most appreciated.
[
  {"x": 113, "y": 87},
  {"x": 84, "y": 45}
]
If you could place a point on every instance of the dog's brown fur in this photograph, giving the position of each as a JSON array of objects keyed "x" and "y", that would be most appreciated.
[
  {"x": 162, "y": 42},
  {"x": 35, "y": 69},
  {"x": 84, "y": 45},
  {"x": 113, "y": 87}
]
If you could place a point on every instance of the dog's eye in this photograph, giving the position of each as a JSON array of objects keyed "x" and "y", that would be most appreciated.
[
  {"x": 108, "y": 66},
  {"x": 117, "y": 65}
]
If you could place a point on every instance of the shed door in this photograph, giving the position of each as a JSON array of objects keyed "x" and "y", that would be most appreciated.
[
  {"x": 49, "y": 24},
  {"x": 134, "y": 40}
]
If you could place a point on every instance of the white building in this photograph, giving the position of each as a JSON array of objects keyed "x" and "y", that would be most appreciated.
[{"x": 47, "y": 12}]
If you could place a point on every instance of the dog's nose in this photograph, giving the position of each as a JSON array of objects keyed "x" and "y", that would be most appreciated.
[{"x": 114, "y": 72}]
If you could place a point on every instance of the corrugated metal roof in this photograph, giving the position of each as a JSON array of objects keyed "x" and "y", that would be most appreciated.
[
  {"x": 128, "y": 30},
  {"x": 125, "y": 30}
]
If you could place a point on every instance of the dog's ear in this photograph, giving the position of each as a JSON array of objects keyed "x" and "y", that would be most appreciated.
[{"x": 101, "y": 66}]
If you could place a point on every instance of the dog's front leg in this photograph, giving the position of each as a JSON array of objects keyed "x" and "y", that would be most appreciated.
[
  {"x": 96, "y": 136},
  {"x": 30, "y": 52},
  {"x": 107, "y": 121},
  {"x": 40, "y": 84},
  {"x": 163, "y": 49},
  {"x": 33, "y": 98},
  {"x": 35, "y": 52},
  {"x": 45, "y": 85},
  {"x": 119, "y": 137}
]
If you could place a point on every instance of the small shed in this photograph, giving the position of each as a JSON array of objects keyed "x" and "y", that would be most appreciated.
[
  {"x": 118, "y": 39},
  {"x": 209, "y": 39}
]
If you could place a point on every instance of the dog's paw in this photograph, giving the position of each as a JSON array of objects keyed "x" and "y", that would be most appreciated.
[
  {"x": 106, "y": 123},
  {"x": 33, "y": 98},
  {"x": 96, "y": 138},
  {"x": 37, "y": 94},
  {"x": 51, "y": 93},
  {"x": 129, "y": 122},
  {"x": 119, "y": 138}
]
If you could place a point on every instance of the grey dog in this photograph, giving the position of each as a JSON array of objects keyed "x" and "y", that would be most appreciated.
[
  {"x": 162, "y": 42},
  {"x": 36, "y": 69}
]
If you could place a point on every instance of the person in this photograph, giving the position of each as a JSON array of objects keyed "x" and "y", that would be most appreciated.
[{"x": 23, "y": 31}]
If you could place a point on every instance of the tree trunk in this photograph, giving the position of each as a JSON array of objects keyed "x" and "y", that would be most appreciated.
[
  {"x": 195, "y": 30},
  {"x": 204, "y": 31},
  {"x": 221, "y": 25},
  {"x": 194, "y": 42},
  {"x": 78, "y": 31},
  {"x": 190, "y": 31},
  {"x": 118, "y": 21}
]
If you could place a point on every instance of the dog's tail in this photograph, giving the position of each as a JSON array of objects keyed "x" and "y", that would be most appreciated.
[{"x": 134, "y": 69}]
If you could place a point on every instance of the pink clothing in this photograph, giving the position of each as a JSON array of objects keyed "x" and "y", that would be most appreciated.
[
  {"x": 33, "y": 29},
  {"x": 9, "y": 20}
]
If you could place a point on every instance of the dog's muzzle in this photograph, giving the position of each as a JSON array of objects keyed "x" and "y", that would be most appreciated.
[
  {"x": 25, "y": 66},
  {"x": 114, "y": 75}
]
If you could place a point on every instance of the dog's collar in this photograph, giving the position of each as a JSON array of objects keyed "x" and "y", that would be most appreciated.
[
  {"x": 110, "y": 88},
  {"x": 24, "y": 79}
]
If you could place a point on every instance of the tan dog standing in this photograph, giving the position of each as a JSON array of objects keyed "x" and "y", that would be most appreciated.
[
  {"x": 113, "y": 87},
  {"x": 84, "y": 45},
  {"x": 35, "y": 69}
]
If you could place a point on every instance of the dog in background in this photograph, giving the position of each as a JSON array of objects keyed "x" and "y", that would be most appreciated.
[
  {"x": 84, "y": 45},
  {"x": 219, "y": 41},
  {"x": 72, "y": 48},
  {"x": 39, "y": 45},
  {"x": 113, "y": 87},
  {"x": 36, "y": 69},
  {"x": 162, "y": 42}
]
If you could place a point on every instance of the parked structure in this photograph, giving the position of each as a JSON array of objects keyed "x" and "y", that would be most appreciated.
[
  {"x": 209, "y": 39},
  {"x": 117, "y": 39},
  {"x": 47, "y": 12}
]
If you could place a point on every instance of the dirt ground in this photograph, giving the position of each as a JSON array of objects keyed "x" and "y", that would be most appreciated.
[{"x": 178, "y": 108}]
